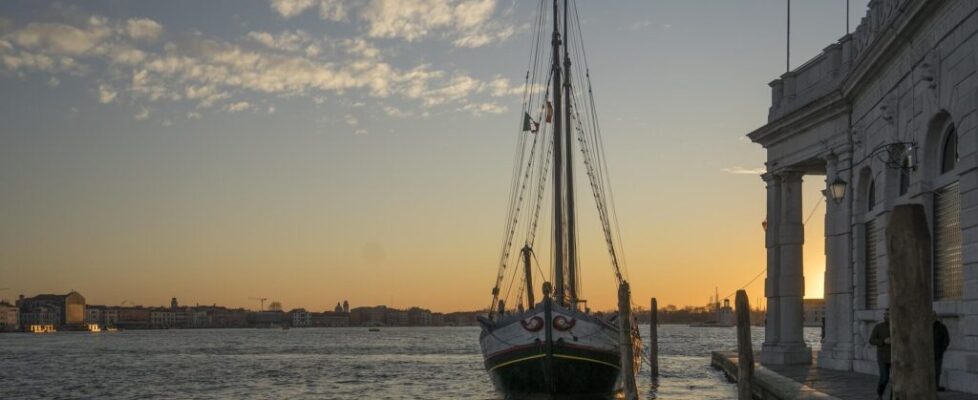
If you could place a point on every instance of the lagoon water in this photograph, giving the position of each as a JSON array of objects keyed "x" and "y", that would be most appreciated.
[{"x": 310, "y": 363}]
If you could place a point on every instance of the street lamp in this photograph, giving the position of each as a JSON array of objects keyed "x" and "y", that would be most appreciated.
[
  {"x": 837, "y": 189},
  {"x": 899, "y": 155}
]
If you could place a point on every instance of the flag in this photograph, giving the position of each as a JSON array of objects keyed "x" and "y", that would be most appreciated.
[
  {"x": 526, "y": 122},
  {"x": 550, "y": 112}
]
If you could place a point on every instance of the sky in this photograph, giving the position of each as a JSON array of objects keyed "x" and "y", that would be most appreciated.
[{"x": 314, "y": 151}]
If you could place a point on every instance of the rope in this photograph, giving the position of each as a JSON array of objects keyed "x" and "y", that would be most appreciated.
[{"x": 763, "y": 270}]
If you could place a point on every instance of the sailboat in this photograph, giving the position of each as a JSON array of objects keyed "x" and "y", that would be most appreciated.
[{"x": 556, "y": 346}]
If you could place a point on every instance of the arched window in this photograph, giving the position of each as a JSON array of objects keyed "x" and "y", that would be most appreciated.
[
  {"x": 904, "y": 176},
  {"x": 949, "y": 155},
  {"x": 871, "y": 196},
  {"x": 948, "y": 271},
  {"x": 871, "y": 287}
]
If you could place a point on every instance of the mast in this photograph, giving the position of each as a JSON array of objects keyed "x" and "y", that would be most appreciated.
[
  {"x": 529, "y": 277},
  {"x": 569, "y": 165},
  {"x": 558, "y": 169}
]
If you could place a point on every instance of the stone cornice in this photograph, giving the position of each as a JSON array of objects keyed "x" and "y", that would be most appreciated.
[{"x": 824, "y": 108}]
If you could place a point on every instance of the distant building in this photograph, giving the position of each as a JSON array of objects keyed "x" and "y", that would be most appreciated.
[
  {"x": 363, "y": 316},
  {"x": 299, "y": 317},
  {"x": 133, "y": 317},
  {"x": 162, "y": 318},
  {"x": 814, "y": 311},
  {"x": 9, "y": 317},
  {"x": 266, "y": 318},
  {"x": 93, "y": 315},
  {"x": 726, "y": 316},
  {"x": 346, "y": 306},
  {"x": 331, "y": 319},
  {"x": 419, "y": 316},
  {"x": 53, "y": 309},
  {"x": 395, "y": 317},
  {"x": 338, "y": 308}
]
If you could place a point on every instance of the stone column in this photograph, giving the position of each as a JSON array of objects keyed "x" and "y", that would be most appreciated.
[
  {"x": 837, "y": 346},
  {"x": 791, "y": 347},
  {"x": 772, "y": 323}
]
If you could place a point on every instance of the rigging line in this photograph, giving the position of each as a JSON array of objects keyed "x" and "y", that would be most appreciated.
[
  {"x": 514, "y": 208},
  {"x": 604, "y": 167},
  {"x": 811, "y": 214},
  {"x": 511, "y": 282},
  {"x": 763, "y": 270}
]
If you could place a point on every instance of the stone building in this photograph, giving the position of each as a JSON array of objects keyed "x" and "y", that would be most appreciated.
[
  {"x": 887, "y": 114},
  {"x": 52, "y": 309},
  {"x": 9, "y": 317}
]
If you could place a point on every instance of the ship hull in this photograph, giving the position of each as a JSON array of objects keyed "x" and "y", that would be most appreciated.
[
  {"x": 582, "y": 356},
  {"x": 570, "y": 371}
]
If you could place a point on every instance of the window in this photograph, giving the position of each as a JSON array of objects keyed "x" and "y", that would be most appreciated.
[
  {"x": 949, "y": 156},
  {"x": 904, "y": 175},
  {"x": 872, "y": 280},
  {"x": 871, "y": 195},
  {"x": 947, "y": 226}
]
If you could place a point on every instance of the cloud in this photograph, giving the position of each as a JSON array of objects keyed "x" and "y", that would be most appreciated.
[
  {"x": 60, "y": 39},
  {"x": 237, "y": 107},
  {"x": 290, "y": 8},
  {"x": 290, "y": 41},
  {"x": 351, "y": 120},
  {"x": 744, "y": 171},
  {"x": 396, "y": 112},
  {"x": 205, "y": 72},
  {"x": 54, "y": 82},
  {"x": 194, "y": 115},
  {"x": 467, "y": 23},
  {"x": 143, "y": 29},
  {"x": 142, "y": 114},
  {"x": 485, "y": 108},
  {"x": 105, "y": 94}
]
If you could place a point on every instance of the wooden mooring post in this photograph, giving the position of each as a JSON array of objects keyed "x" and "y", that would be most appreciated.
[
  {"x": 654, "y": 339},
  {"x": 745, "y": 353},
  {"x": 625, "y": 342},
  {"x": 908, "y": 242}
]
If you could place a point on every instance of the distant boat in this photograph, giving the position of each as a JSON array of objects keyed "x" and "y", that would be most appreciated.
[
  {"x": 555, "y": 346},
  {"x": 374, "y": 329}
]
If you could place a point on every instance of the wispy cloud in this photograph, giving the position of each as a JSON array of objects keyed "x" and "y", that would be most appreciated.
[
  {"x": 134, "y": 62},
  {"x": 744, "y": 171},
  {"x": 466, "y": 23}
]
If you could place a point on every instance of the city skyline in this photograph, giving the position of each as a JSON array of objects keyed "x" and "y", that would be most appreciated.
[{"x": 294, "y": 148}]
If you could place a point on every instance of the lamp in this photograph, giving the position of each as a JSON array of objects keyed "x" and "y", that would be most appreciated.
[
  {"x": 837, "y": 189},
  {"x": 900, "y": 155}
]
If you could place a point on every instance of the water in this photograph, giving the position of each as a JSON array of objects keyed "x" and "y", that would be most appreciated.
[{"x": 311, "y": 363}]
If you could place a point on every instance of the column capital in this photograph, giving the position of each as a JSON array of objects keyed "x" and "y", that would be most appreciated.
[{"x": 790, "y": 176}]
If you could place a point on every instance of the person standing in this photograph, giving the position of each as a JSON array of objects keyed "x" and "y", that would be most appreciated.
[
  {"x": 942, "y": 339},
  {"x": 880, "y": 338}
]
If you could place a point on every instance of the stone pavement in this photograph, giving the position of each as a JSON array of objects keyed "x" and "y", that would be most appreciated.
[{"x": 843, "y": 385}]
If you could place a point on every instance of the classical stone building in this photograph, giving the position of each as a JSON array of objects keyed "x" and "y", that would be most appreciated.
[{"x": 888, "y": 114}]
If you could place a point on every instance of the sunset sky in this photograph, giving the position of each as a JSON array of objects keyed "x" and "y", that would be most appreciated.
[{"x": 311, "y": 151}]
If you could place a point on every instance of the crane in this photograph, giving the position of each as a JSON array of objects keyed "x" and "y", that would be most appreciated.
[{"x": 262, "y": 300}]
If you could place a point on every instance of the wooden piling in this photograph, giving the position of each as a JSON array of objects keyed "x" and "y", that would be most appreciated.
[
  {"x": 625, "y": 342},
  {"x": 912, "y": 354},
  {"x": 745, "y": 353},
  {"x": 654, "y": 338}
]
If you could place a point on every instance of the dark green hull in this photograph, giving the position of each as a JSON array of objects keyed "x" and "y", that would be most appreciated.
[{"x": 572, "y": 370}]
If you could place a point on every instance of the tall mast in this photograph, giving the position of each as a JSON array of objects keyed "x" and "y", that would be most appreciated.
[
  {"x": 569, "y": 166},
  {"x": 558, "y": 169}
]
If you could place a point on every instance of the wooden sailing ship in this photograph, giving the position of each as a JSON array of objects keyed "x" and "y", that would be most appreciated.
[{"x": 556, "y": 345}]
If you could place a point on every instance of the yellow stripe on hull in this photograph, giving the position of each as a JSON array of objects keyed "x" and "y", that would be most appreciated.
[{"x": 555, "y": 355}]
